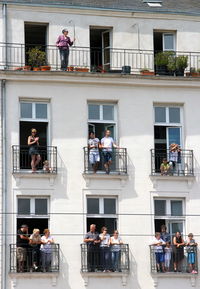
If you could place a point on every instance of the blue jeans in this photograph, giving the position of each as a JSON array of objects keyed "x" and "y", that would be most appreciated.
[
  {"x": 64, "y": 57},
  {"x": 115, "y": 256},
  {"x": 105, "y": 258},
  {"x": 46, "y": 260}
]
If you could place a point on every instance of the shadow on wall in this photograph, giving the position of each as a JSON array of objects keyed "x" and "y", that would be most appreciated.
[{"x": 132, "y": 278}]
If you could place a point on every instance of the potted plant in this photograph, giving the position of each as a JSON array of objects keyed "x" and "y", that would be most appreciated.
[
  {"x": 181, "y": 64},
  {"x": 146, "y": 71},
  {"x": 82, "y": 69},
  {"x": 171, "y": 65},
  {"x": 161, "y": 62},
  {"x": 193, "y": 72},
  {"x": 36, "y": 58}
]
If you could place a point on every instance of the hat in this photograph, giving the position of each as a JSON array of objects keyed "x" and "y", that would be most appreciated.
[
  {"x": 64, "y": 30},
  {"x": 24, "y": 226}
]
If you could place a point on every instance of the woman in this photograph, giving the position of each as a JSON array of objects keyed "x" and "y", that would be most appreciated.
[
  {"x": 105, "y": 250},
  {"x": 178, "y": 251},
  {"x": 115, "y": 242},
  {"x": 33, "y": 143},
  {"x": 46, "y": 250},
  {"x": 35, "y": 241}
]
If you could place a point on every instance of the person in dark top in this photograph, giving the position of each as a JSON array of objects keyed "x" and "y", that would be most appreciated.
[
  {"x": 92, "y": 240},
  {"x": 33, "y": 143},
  {"x": 164, "y": 235},
  {"x": 22, "y": 246},
  {"x": 178, "y": 251}
]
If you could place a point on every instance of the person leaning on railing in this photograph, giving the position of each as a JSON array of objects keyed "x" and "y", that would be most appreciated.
[
  {"x": 22, "y": 247},
  {"x": 92, "y": 240},
  {"x": 116, "y": 243},
  {"x": 35, "y": 241},
  {"x": 191, "y": 251},
  {"x": 46, "y": 250},
  {"x": 94, "y": 157},
  {"x": 105, "y": 250},
  {"x": 178, "y": 251},
  {"x": 158, "y": 244},
  {"x": 63, "y": 43}
]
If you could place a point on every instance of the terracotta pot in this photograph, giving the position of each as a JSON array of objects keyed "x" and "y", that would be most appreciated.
[
  {"x": 45, "y": 68},
  {"x": 81, "y": 69},
  {"x": 146, "y": 72},
  {"x": 70, "y": 68},
  {"x": 194, "y": 74},
  {"x": 36, "y": 68},
  {"x": 26, "y": 67},
  {"x": 18, "y": 68}
]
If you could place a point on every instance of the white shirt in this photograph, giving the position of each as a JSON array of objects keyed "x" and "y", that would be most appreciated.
[
  {"x": 158, "y": 248},
  {"x": 94, "y": 142},
  {"x": 115, "y": 244},
  {"x": 107, "y": 142},
  {"x": 47, "y": 248},
  {"x": 104, "y": 242}
]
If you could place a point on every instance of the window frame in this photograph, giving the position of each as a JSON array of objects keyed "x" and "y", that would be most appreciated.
[
  {"x": 101, "y": 120},
  {"x": 101, "y": 207},
  {"x": 167, "y": 123},
  {"x": 34, "y": 119},
  {"x": 174, "y": 41},
  {"x": 32, "y": 207}
]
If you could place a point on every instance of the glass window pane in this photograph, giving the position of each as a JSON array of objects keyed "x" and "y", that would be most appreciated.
[
  {"x": 109, "y": 206},
  {"x": 160, "y": 114},
  {"x": 26, "y": 110},
  {"x": 41, "y": 207},
  {"x": 174, "y": 114},
  {"x": 160, "y": 207},
  {"x": 92, "y": 206},
  {"x": 174, "y": 135},
  {"x": 108, "y": 112},
  {"x": 23, "y": 206},
  {"x": 177, "y": 227},
  {"x": 168, "y": 41},
  {"x": 176, "y": 208},
  {"x": 41, "y": 110},
  {"x": 93, "y": 111}
]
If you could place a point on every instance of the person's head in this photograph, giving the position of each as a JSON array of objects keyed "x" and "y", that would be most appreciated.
[
  {"x": 92, "y": 228},
  {"x": 167, "y": 244},
  {"x": 157, "y": 235},
  {"x": 178, "y": 234},
  {"x": 107, "y": 133},
  {"x": 164, "y": 161},
  {"x": 46, "y": 232},
  {"x": 115, "y": 234},
  {"x": 190, "y": 236},
  {"x": 92, "y": 135},
  {"x": 36, "y": 232},
  {"x": 104, "y": 230},
  {"x": 163, "y": 229},
  {"x": 24, "y": 228},
  {"x": 65, "y": 31},
  {"x": 33, "y": 131}
]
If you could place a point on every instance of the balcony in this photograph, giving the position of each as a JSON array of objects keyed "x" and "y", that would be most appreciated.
[
  {"x": 21, "y": 160},
  {"x": 28, "y": 268},
  {"x": 13, "y": 56}
]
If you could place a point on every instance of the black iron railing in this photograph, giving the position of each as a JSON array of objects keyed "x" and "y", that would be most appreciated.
[
  {"x": 118, "y": 158},
  {"x": 23, "y": 260},
  {"x": 22, "y": 159},
  {"x": 15, "y": 56},
  {"x": 181, "y": 260},
  {"x": 96, "y": 259},
  {"x": 178, "y": 164}
]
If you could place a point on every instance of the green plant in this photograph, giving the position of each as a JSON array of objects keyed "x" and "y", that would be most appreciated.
[
  {"x": 181, "y": 62},
  {"x": 36, "y": 57},
  {"x": 162, "y": 58},
  {"x": 171, "y": 65},
  {"x": 193, "y": 70},
  {"x": 198, "y": 70}
]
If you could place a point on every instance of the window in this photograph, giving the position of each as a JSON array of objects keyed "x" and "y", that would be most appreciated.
[
  {"x": 33, "y": 211},
  {"x": 102, "y": 212},
  {"x": 169, "y": 212},
  {"x": 163, "y": 40},
  {"x": 33, "y": 110},
  {"x": 101, "y": 112}
]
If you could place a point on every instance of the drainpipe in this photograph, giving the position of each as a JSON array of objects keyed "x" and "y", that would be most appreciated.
[
  {"x": 5, "y": 34},
  {"x": 3, "y": 184}
]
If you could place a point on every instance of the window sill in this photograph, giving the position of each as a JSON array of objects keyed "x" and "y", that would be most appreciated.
[
  {"x": 189, "y": 179},
  {"x": 103, "y": 176},
  {"x": 39, "y": 174},
  {"x": 192, "y": 277},
  {"x": 122, "y": 275},
  {"x": 34, "y": 275}
]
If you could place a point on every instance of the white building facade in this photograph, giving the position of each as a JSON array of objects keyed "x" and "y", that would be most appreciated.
[{"x": 145, "y": 114}]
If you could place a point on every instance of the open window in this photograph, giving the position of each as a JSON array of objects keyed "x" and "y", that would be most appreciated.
[
  {"x": 164, "y": 41},
  {"x": 100, "y": 44}
]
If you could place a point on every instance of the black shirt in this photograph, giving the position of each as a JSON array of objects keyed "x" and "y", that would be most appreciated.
[{"x": 22, "y": 242}]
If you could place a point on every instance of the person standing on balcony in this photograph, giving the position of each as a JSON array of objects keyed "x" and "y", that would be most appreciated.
[
  {"x": 178, "y": 251},
  {"x": 158, "y": 244},
  {"x": 116, "y": 243},
  {"x": 93, "y": 145},
  {"x": 92, "y": 240},
  {"x": 63, "y": 43},
  {"x": 35, "y": 241},
  {"x": 174, "y": 158},
  {"x": 107, "y": 144},
  {"x": 22, "y": 247},
  {"x": 105, "y": 250},
  {"x": 164, "y": 235},
  {"x": 33, "y": 143},
  {"x": 191, "y": 251},
  {"x": 46, "y": 250}
]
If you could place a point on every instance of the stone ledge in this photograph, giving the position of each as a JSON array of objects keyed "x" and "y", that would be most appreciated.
[{"x": 122, "y": 275}]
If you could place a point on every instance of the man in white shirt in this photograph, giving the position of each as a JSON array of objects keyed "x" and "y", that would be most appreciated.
[
  {"x": 158, "y": 244},
  {"x": 107, "y": 144},
  {"x": 93, "y": 145}
]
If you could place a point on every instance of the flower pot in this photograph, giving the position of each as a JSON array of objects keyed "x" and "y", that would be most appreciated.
[
  {"x": 36, "y": 68},
  {"x": 81, "y": 69},
  {"x": 147, "y": 72},
  {"x": 70, "y": 68},
  {"x": 26, "y": 68},
  {"x": 45, "y": 68},
  {"x": 18, "y": 68},
  {"x": 194, "y": 74}
]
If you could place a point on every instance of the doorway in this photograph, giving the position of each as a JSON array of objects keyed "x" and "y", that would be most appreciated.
[
  {"x": 32, "y": 223},
  {"x": 100, "y": 44}
]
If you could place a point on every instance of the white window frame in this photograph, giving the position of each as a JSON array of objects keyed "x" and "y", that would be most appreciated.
[
  {"x": 101, "y": 120},
  {"x": 101, "y": 207},
  {"x": 174, "y": 40},
  {"x": 32, "y": 207},
  {"x": 34, "y": 119}
]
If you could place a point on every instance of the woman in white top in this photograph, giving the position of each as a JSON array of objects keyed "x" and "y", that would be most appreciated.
[
  {"x": 46, "y": 250},
  {"x": 105, "y": 250},
  {"x": 116, "y": 243},
  {"x": 35, "y": 241}
]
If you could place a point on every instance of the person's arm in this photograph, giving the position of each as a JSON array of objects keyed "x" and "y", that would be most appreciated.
[
  {"x": 24, "y": 237},
  {"x": 114, "y": 144},
  {"x": 70, "y": 42},
  {"x": 174, "y": 241},
  {"x": 87, "y": 239},
  {"x": 58, "y": 41}
]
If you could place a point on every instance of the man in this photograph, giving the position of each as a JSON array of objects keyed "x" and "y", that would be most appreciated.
[
  {"x": 107, "y": 143},
  {"x": 22, "y": 246},
  {"x": 92, "y": 240},
  {"x": 93, "y": 145},
  {"x": 164, "y": 235},
  {"x": 63, "y": 43}
]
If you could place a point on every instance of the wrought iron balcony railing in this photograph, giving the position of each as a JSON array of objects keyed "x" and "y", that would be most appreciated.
[
  {"x": 15, "y": 56},
  {"x": 179, "y": 164},
  {"x": 22, "y": 160},
  {"x": 31, "y": 259},
  {"x": 118, "y": 158},
  {"x": 181, "y": 260},
  {"x": 95, "y": 259}
]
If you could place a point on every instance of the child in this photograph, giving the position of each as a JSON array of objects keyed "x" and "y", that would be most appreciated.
[
  {"x": 46, "y": 167},
  {"x": 191, "y": 253},
  {"x": 159, "y": 253},
  {"x": 168, "y": 255},
  {"x": 164, "y": 167}
]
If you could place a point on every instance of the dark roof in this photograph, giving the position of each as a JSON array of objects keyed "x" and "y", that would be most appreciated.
[{"x": 168, "y": 6}]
